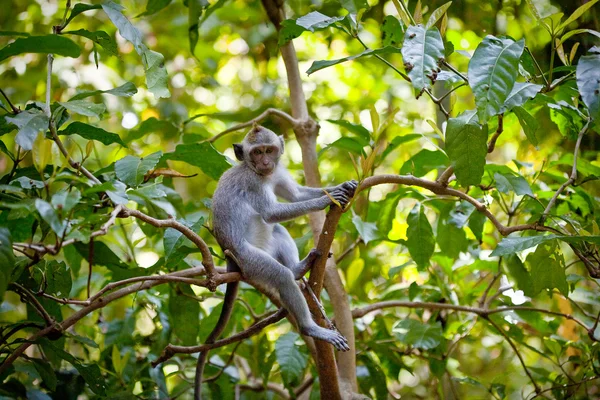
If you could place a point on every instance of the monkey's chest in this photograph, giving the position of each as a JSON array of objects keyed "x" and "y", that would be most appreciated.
[{"x": 259, "y": 233}]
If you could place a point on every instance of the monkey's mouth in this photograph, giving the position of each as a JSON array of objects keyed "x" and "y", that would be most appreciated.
[{"x": 265, "y": 170}]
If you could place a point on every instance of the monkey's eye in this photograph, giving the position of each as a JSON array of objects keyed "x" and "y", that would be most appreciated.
[
  {"x": 256, "y": 152},
  {"x": 269, "y": 150}
]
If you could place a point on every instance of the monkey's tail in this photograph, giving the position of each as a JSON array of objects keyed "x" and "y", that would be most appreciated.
[{"x": 230, "y": 295}]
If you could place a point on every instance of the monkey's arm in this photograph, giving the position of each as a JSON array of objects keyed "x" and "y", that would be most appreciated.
[
  {"x": 288, "y": 189},
  {"x": 279, "y": 212}
]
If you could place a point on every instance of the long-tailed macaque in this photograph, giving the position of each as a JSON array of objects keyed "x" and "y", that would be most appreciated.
[{"x": 246, "y": 216}]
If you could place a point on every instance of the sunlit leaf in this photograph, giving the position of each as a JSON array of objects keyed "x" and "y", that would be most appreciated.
[
  {"x": 91, "y": 132},
  {"x": 30, "y": 124},
  {"x": 421, "y": 242},
  {"x": 84, "y": 108},
  {"x": 131, "y": 169},
  {"x": 466, "y": 145},
  {"x": 202, "y": 155},
  {"x": 52, "y": 44},
  {"x": 99, "y": 37},
  {"x": 422, "y": 51},
  {"x": 417, "y": 334},
  {"x": 492, "y": 74},
  {"x": 318, "y": 65},
  {"x": 588, "y": 81}
]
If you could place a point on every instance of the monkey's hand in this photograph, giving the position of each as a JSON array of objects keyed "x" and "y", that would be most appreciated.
[
  {"x": 349, "y": 187},
  {"x": 344, "y": 192}
]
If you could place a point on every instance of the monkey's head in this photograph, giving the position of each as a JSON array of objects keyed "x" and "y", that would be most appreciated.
[{"x": 260, "y": 150}]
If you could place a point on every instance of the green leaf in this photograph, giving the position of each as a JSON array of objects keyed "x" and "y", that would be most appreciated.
[
  {"x": 65, "y": 199},
  {"x": 528, "y": 123},
  {"x": 451, "y": 239},
  {"x": 53, "y": 44},
  {"x": 348, "y": 144},
  {"x": 80, "y": 7},
  {"x": 202, "y": 155},
  {"x": 520, "y": 93},
  {"x": 154, "y": 6},
  {"x": 357, "y": 129},
  {"x": 154, "y": 63},
  {"x": 5, "y": 126},
  {"x": 417, "y": 334},
  {"x": 387, "y": 212},
  {"x": 466, "y": 146},
  {"x": 46, "y": 373},
  {"x": 367, "y": 230},
  {"x": 184, "y": 312},
  {"x": 174, "y": 239},
  {"x": 90, "y": 132},
  {"x": 397, "y": 141},
  {"x": 354, "y": 6},
  {"x": 512, "y": 183},
  {"x": 319, "y": 65},
  {"x": 128, "y": 89},
  {"x": 492, "y": 73},
  {"x": 576, "y": 14},
  {"x": 577, "y": 32},
  {"x": 131, "y": 169},
  {"x": 84, "y": 108},
  {"x": 314, "y": 21},
  {"x": 421, "y": 242},
  {"x": 90, "y": 372},
  {"x": 423, "y": 162},
  {"x": 150, "y": 125},
  {"x": 437, "y": 14},
  {"x": 568, "y": 118},
  {"x": 548, "y": 269},
  {"x": 511, "y": 245},
  {"x": 55, "y": 278},
  {"x": 195, "y": 10},
  {"x": 49, "y": 215},
  {"x": 14, "y": 33},
  {"x": 156, "y": 74},
  {"x": 392, "y": 33},
  {"x": 7, "y": 259},
  {"x": 292, "y": 362},
  {"x": 588, "y": 82},
  {"x": 99, "y": 37},
  {"x": 30, "y": 124},
  {"x": 519, "y": 273},
  {"x": 422, "y": 51}
]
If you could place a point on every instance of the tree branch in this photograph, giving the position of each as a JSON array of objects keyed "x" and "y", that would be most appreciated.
[{"x": 262, "y": 116}]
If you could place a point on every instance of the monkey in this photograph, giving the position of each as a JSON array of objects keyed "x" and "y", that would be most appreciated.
[{"x": 246, "y": 216}]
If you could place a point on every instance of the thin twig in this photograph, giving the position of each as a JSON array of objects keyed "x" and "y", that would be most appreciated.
[
  {"x": 37, "y": 306},
  {"x": 517, "y": 352},
  {"x": 457, "y": 72},
  {"x": 591, "y": 378},
  {"x": 14, "y": 109},
  {"x": 572, "y": 177},
  {"x": 492, "y": 144},
  {"x": 255, "y": 120}
]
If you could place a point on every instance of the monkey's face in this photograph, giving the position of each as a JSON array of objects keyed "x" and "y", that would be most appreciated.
[{"x": 263, "y": 159}]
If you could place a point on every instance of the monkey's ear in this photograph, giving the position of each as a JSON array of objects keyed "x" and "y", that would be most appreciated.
[
  {"x": 282, "y": 142},
  {"x": 239, "y": 151}
]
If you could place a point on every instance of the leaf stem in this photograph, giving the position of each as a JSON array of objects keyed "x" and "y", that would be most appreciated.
[{"x": 537, "y": 65}]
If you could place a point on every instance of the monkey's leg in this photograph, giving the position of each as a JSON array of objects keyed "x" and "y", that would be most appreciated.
[
  {"x": 262, "y": 270},
  {"x": 287, "y": 253}
]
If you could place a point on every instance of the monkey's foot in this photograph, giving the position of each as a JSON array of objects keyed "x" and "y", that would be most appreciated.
[
  {"x": 334, "y": 337},
  {"x": 305, "y": 265}
]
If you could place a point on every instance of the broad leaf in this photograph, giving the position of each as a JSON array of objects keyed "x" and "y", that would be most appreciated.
[
  {"x": 174, "y": 239},
  {"x": 437, "y": 14},
  {"x": 80, "y": 7},
  {"x": 99, "y": 37},
  {"x": 49, "y": 215},
  {"x": 154, "y": 63},
  {"x": 7, "y": 259},
  {"x": 588, "y": 82},
  {"x": 506, "y": 183},
  {"x": 30, "y": 124},
  {"x": 195, "y": 10},
  {"x": 397, "y": 141},
  {"x": 511, "y": 245},
  {"x": 314, "y": 21},
  {"x": 519, "y": 273},
  {"x": 492, "y": 73},
  {"x": 520, "y": 93},
  {"x": 357, "y": 129},
  {"x": 347, "y": 144},
  {"x": 451, "y": 239},
  {"x": 387, "y": 212},
  {"x": 417, "y": 334},
  {"x": 420, "y": 240},
  {"x": 154, "y": 6},
  {"x": 90, "y": 132},
  {"x": 392, "y": 33},
  {"x": 466, "y": 146},
  {"x": 66, "y": 200},
  {"x": 576, "y": 14},
  {"x": 46, "y": 373},
  {"x": 128, "y": 89},
  {"x": 319, "y": 65},
  {"x": 548, "y": 269},
  {"x": 422, "y": 51},
  {"x": 51, "y": 44},
  {"x": 367, "y": 230},
  {"x": 84, "y": 108},
  {"x": 528, "y": 123},
  {"x": 131, "y": 169},
  {"x": 292, "y": 362},
  {"x": 184, "y": 312},
  {"x": 423, "y": 162},
  {"x": 354, "y": 6},
  {"x": 55, "y": 278},
  {"x": 202, "y": 155}
]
